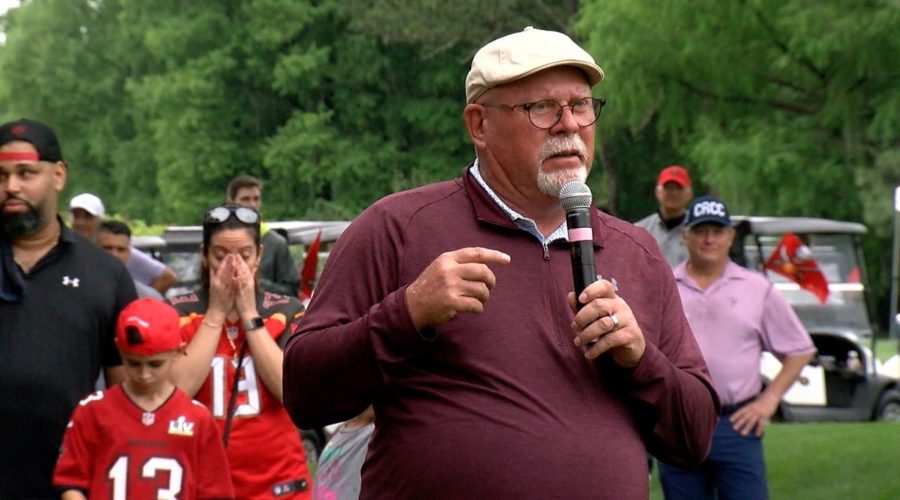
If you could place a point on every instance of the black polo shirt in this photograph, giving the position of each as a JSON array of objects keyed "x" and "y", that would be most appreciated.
[{"x": 53, "y": 341}]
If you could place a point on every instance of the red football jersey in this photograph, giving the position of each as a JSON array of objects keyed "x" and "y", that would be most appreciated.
[
  {"x": 114, "y": 449},
  {"x": 264, "y": 450}
]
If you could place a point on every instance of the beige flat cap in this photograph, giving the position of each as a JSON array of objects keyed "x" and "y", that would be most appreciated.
[{"x": 524, "y": 53}]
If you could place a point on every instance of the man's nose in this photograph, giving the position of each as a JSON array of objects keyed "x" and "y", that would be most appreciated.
[
  {"x": 12, "y": 184},
  {"x": 567, "y": 120}
]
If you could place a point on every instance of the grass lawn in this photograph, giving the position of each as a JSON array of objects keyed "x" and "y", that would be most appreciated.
[
  {"x": 845, "y": 461},
  {"x": 885, "y": 348}
]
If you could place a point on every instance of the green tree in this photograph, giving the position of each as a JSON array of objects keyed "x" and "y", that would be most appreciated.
[
  {"x": 60, "y": 65},
  {"x": 781, "y": 107},
  {"x": 767, "y": 98},
  {"x": 459, "y": 29},
  {"x": 333, "y": 106},
  {"x": 784, "y": 107}
]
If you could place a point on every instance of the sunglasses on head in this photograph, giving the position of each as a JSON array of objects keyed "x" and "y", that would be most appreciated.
[{"x": 218, "y": 215}]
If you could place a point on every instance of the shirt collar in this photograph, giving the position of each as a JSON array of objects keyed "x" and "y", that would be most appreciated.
[
  {"x": 672, "y": 223},
  {"x": 518, "y": 219},
  {"x": 13, "y": 285},
  {"x": 731, "y": 272},
  {"x": 66, "y": 235}
]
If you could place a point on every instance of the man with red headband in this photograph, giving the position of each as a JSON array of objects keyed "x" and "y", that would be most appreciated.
[{"x": 59, "y": 298}]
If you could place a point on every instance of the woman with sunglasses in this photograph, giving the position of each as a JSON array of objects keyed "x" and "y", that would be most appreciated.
[{"x": 235, "y": 336}]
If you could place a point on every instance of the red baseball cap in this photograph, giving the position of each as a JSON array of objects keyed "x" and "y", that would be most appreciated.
[
  {"x": 674, "y": 173},
  {"x": 147, "y": 327}
]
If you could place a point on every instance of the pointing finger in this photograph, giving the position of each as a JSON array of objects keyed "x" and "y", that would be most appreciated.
[{"x": 480, "y": 255}]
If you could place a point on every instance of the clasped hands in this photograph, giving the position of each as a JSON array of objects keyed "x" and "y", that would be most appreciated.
[
  {"x": 232, "y": 287},
  {"x": 460, "y": 281}
]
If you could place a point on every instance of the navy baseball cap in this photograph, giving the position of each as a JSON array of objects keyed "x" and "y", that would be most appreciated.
[
  {"x": 707, "y": 209},
  {"x": 40, "y": 136}
]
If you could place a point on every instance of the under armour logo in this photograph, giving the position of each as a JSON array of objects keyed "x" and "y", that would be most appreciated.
[{"x": 72, "y": 282}]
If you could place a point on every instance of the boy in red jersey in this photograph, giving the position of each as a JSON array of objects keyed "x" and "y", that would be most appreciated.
[{"x": 143, "y": 438}]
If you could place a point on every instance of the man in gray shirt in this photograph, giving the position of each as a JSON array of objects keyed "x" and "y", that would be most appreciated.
[
  {"x": 115, "y": 237},
  {"x": 673, "y": 192}
]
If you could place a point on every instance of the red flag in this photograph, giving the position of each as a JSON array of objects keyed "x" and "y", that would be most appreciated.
[
  {"x": 308, "y": 272},
  {"x": 794, "y": 260}
]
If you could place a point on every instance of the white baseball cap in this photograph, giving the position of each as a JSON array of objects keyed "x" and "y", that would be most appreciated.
[
  {"x": 88, "y": 202},
  {"x": 524, "y": 53}
]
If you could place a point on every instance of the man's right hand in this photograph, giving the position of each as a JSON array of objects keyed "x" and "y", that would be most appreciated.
[{"x": 455, "y": 282}]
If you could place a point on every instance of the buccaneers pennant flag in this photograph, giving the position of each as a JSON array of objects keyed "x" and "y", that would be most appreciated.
[
  {"x": 794, "y": 260},
  {"x": 308, "y": 272}
]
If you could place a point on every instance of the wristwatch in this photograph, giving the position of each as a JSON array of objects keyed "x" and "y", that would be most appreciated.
[{"x": 252, "y": 324}]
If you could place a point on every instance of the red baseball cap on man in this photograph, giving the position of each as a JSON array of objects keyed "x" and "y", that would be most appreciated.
[
  {"x": 674, "y": 173},
  {"x": 147, "y": 327}
]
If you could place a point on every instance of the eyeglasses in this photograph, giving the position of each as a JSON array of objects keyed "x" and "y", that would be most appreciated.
[
  {"x": 547, "y": 113},
  {"x": 220, "y": 214}
]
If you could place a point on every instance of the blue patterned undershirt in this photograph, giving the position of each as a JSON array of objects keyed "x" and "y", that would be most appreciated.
[{"x": 524, "y": 223}]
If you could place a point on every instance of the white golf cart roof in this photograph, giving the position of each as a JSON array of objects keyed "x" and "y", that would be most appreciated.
[
  {"x": 781, "y": 225},
  {"x": 296, "y": 232}
]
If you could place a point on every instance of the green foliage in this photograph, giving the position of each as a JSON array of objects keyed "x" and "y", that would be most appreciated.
[
  {"x": 749, "y": 162},
  {"x": 139, "y": 227},
  {"x": 763, "y": 96},
  {"x": 782, "y": 107},
  {"x": 61, "y": 72},
  {"x": 828, "y": 461},
  {"x": 332, "y": 104},
  {"x": 437, "y": 25}
]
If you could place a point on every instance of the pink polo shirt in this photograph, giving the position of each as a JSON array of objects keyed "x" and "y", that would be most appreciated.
[{"x": 736, "y": 318}]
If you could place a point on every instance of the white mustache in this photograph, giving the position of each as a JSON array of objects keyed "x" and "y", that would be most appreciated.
[{"x": 556, "y": 145}]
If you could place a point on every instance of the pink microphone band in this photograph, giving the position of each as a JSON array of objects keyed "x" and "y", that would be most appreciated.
[{"x": 581, "y": 234}]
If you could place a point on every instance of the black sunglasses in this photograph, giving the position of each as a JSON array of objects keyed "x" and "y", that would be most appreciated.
[{"x": 218, "y": 215}]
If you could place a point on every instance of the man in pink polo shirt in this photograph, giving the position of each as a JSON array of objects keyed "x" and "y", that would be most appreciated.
[{"x": 735, "y": 314}]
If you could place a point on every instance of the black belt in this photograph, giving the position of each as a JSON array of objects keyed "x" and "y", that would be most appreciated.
[{"x": 729, "y": 409}]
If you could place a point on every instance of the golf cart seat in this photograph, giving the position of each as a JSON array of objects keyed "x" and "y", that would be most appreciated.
[{"x": 844, "y": 361}]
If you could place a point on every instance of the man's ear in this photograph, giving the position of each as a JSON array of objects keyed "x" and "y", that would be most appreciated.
[
  {"x": 473, "y": 117},
  {"x": 60, "y": 170},
  {"x": 658, "y": 193}
]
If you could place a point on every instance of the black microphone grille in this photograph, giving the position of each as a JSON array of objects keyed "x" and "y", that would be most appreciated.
[{"x": 574, "y": 195}]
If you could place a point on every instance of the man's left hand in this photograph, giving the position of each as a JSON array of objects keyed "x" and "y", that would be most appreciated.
[
  {"x": 754, "y": 415},
  {"x": 596, "y": 330}
]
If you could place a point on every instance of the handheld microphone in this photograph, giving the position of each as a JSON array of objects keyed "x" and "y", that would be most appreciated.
[{"x": 575, "y": 197}]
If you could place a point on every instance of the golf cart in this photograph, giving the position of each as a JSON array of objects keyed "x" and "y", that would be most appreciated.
[{"x": 845, "y": 381}]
